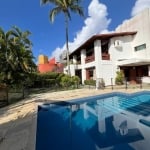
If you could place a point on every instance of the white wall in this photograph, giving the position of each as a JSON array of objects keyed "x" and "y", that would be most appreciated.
[
  {"x": 72, "y": 70},
  {"x": 107, "y": 72},
  {"x": 124, "y": 52},
  {"x": 141, "y": 24}
]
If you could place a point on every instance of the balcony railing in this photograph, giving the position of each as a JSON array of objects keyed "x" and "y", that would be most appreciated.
[
  {"x": 105, "y": 56},
  {"x": 89, "y": 59},
  {"x": 92, "y": 58}
]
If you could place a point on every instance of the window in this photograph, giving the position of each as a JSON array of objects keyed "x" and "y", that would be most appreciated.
[
  {"x": 91, "y": 73},
  {"x": 140, "y": 47}
]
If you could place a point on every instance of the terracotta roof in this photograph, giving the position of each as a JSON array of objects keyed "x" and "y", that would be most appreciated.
[
  {"x": 100, "y": 37},
  {"x": 50, "y": 66},
  {"x": 52, "y": 61}
]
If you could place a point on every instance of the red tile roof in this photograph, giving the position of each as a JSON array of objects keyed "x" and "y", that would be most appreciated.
[{"x": 50, "y": 66}]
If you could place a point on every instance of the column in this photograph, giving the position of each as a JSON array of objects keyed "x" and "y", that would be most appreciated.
[
  {"x": 83, "y": 56},
  {"x": 98, "y": 65},
  {"x": 74, "y": 59},
  {"x": 72, "y": 70},
  {"x": 148, "y": 70},
  {"x": 98, "y": 58},
  {"x": 83, "y": 75}
]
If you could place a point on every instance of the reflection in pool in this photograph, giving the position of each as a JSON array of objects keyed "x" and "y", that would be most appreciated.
[{"x": 114, "y": 121}]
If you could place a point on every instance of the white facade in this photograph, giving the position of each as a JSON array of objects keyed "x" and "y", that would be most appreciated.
[
  {"x": 127, "y": 49},
  {"x": 141, "y": 24}
]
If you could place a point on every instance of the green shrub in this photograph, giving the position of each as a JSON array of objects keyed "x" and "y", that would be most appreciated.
[
  {"x": 66, "y": 81},
  {"x": 50, "y": 79},
  {"x": 58, "y": 79},
  {"x": 119, "y": 77},
  {"x": 90, "y": 82},
  {"x": 49, "y": 82},
  {"x": 75, "y": 81}
]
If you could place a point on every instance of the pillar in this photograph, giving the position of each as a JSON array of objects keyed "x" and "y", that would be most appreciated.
[{"x": 83, "y": 56}]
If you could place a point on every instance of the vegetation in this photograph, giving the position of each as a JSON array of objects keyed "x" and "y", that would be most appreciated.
[
  {"x": 90, "y": 82},
  {"x": 66, "y": 81},
  {"x": 54, "y": 80},
  {"x": 50, "y": 79},
  {"x": 16, "y": 58},
  {"x": 18, "y": 70},
  {"x": 119, "y": 80},
  {"x": 65, "y": 7},
  {"x": 76, "y": 81}
]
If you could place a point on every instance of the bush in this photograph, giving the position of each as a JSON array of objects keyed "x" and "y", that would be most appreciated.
[
  {"x": 76, "y": 81},
  {"x": 49, "y": 82},
  {"x": 58, "y": 79},
  {"x": 66, "y": 81},
  {"x": 119, "y": 78},
  {"x": 90, "y": 82},
  {"x": 50, "y": 79}
]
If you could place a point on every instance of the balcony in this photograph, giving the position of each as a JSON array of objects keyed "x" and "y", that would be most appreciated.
[
  {"x": 89, "y": 59},
  {"x": 105, "y": 56}
]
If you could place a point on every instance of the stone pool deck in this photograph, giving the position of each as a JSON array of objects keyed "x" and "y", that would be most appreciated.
[{"x": 18, "y": 121}]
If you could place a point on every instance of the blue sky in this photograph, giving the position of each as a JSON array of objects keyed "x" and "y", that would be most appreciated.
[{"x": 49, "y": 39}]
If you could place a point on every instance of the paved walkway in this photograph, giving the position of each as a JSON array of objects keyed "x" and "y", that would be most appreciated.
[{"x": 18, "y": 121}]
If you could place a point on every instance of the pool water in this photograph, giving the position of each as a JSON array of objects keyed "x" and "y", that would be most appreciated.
[{"x": 114, "y": 121}]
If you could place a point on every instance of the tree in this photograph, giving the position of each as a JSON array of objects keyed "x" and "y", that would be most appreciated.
[
  {"x": 16, "y": 58},
  {"x": 23, "y": 53},
  {"x": 5, "y": 51},
  {"x": 65, "y": 7}
]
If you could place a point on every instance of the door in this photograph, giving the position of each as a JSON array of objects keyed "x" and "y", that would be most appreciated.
[{"x": 132, "y": 77}]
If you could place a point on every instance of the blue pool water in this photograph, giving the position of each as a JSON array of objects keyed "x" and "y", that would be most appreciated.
[{"x": 114, "y": 121}]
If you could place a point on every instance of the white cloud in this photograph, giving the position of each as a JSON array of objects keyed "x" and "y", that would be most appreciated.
[
  {"x": 139, "y": 6},
  {"x": 57, "y": 52},
  {"x": 96, "y": 22}
]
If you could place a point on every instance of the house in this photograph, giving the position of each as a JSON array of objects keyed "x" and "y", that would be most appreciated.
[
  {"x": 127, "y": 49},
  {"x": 45, "y": 65}
]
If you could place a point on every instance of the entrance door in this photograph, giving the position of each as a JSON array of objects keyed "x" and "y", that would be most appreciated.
[{"x": 132, "y": 76}]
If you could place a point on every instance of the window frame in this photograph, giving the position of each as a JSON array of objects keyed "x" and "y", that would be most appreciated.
[{"x": 140, "y": 47}]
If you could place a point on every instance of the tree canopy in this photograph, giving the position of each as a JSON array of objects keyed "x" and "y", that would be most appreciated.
[{"x": 16, "y": 57}]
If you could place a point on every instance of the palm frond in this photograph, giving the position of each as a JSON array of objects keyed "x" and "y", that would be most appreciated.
[
  {"x": 77, "y": 9},
  {"x": 44, "y": 2},
  {"x": 53, "y": 13}
]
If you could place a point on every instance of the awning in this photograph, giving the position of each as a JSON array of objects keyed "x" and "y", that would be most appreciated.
[{"x": 133, "y": 62}]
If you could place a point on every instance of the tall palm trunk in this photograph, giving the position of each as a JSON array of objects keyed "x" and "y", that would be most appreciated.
[
  {"x": 67, "y": 46},
  {"x": 65, "y": 6}
]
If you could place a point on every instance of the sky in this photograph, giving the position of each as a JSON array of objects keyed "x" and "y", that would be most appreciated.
[{"x": 100, "y": 16}]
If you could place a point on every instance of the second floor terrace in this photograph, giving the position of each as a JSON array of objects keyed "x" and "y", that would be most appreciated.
[
  {"x": 105, "y": 56},
  {"x": 96, "y": 48}
]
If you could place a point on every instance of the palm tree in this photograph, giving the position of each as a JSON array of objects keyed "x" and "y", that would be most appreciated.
[
  {"x": 5, "y": 50},
  {"x": 65, "y": 7},
  {"x": 16, "y": 58},
  {"x": 5, "y": 65},
  {"x": 22, "y": 45}
]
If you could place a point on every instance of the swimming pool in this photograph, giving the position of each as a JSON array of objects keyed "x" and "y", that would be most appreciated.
[{"x": 114, "y": 121}]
